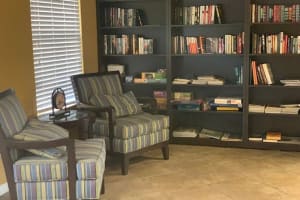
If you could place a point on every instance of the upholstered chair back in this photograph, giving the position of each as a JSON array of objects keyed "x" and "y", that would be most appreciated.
[
  {"x": 95, "y": 84},
  {"x": 12, "y": 115}
]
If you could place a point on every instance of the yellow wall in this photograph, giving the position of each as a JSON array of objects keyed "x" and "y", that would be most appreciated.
[
  {"x": 16, "y": 59},
  {"x": 89, "y": 35}
]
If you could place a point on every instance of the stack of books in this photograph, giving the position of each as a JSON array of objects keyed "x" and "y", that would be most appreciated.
[
  {"x": 182, "y": 96},
  {"x": 272, "y": 136},
  {"x": 290, "y": 82},
  {"x": 289, "y": 140},
  {"x": 160, "y": 98},
  {"x": 256, "y": 108},
  {"x": 290, "y": 109},
  {"x": 256, "y": 138},
  {"x": 181, "y": 81},
  {"x": 226, "y": 104},
  {"x": 185, "y": 132},
  {"x": 208, "y": 80},
  {"x": 272, "y": 109}
]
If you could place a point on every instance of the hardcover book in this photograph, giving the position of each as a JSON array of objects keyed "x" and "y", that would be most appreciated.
[{"x": 211, "y": 133}]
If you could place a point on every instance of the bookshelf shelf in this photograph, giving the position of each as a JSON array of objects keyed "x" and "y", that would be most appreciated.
[
  {"x": 196, "y": 26},
  {"x": 137, "y": 55},
  {"x": 131, "y": 27},
  {"x": 274, "y": 87},
  {"x": 207, "y": 55},
  {"x": 207, "y": 86},
  {"x": 170, "y": 34},
  {"x": 122, "y": 1},
  {"x": 277, "y": 115},
  {"x": 275, "y": 55},
  {"x": 208, "y": 112}
]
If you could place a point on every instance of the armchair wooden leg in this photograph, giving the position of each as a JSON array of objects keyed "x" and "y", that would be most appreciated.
[
  {"x": 124, "y": 164},
  {"x": 165, "y": 151},
  {"x": 103, "y": 187}
]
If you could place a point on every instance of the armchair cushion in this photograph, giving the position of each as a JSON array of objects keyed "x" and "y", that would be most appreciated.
[
  {"x": 12, "y": 115},
  {"x": 134, "y": 125},
  {"x": 90, "y": 161},
  {"x": 124, "y": 104},
  {"x": 40, "y": 178},
  {"x": 37, "y": 130}
]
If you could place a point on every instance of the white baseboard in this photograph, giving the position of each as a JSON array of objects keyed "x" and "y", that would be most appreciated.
[{"x": 3, "y": 189}]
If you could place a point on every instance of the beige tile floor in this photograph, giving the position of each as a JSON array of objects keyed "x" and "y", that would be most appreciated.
[{"x": 206, "y": 173}]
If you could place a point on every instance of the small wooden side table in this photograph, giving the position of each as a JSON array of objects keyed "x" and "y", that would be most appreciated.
[{"x": 78, "y": 123}]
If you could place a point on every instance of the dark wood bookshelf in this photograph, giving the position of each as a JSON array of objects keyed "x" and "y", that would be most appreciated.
[{"x": 161, "y": 25}]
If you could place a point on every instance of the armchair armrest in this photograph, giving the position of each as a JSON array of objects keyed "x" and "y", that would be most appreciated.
[
  {"x": 98, "y": 110},
  {"x": 19, "y": 144},
  {"x": 148, "y": 104}
]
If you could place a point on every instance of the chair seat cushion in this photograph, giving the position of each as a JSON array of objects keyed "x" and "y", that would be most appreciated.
[
  {"x": 36, "y": 130},
  {"x": 137, "y": 143},
  {"x": 90, "y": 164},
  {"x": 134, "y": 125}
]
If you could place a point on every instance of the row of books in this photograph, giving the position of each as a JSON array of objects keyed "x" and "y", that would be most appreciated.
[
  {"x": 261, "y": 74},
  {"x": 274, "y": 136},
  {"x": 275, "y": 13},
  {"x": 228, "y": 44},
  {"x": 119, "y": 17},
  {"x": 206, "y": 133},
  {"x": 280, "y": 43},
  {"x": 271, "y": 109},
  {"x": 184, "y": 101},
  {"x": 269, "y": 136},
  {"x": 151, "y": 77},
  {"x": 204, "y": 14},
  {"x": 127, "y": 44}
]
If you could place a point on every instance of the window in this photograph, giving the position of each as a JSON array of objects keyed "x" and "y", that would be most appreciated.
[{"x": 56, "y": 41}]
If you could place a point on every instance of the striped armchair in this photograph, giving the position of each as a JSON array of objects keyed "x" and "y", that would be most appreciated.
[
  {"x": 126, "y": 128},
  {"x": 42, "y": 163}
]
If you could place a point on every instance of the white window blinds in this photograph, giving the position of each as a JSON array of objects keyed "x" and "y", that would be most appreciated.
[{"x": 56, "y": 48}]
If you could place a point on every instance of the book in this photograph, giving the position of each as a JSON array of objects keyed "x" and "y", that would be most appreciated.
[
  {"x": 253, "y": 108},
  {"x": 256, "y": 138},
  {"x": 227, "y": 100},
  {"x": 231, "y": 137},
  {"x": 290, "y": 140},
  {"x": 185, "y": 132},
  {"x": 209, "y": 133},
  {"x": 226, "y": 108},
  {"x": 272, "y": 109},
  {"x": 219, "y": 14},
  {"x": 273, "y": 135}
]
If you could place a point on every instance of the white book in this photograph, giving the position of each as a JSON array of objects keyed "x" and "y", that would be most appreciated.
[
  {"x": 141, "y": 45},
  {"x": 181, "y": 132},
  {"x": 227, "y": 100}
]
